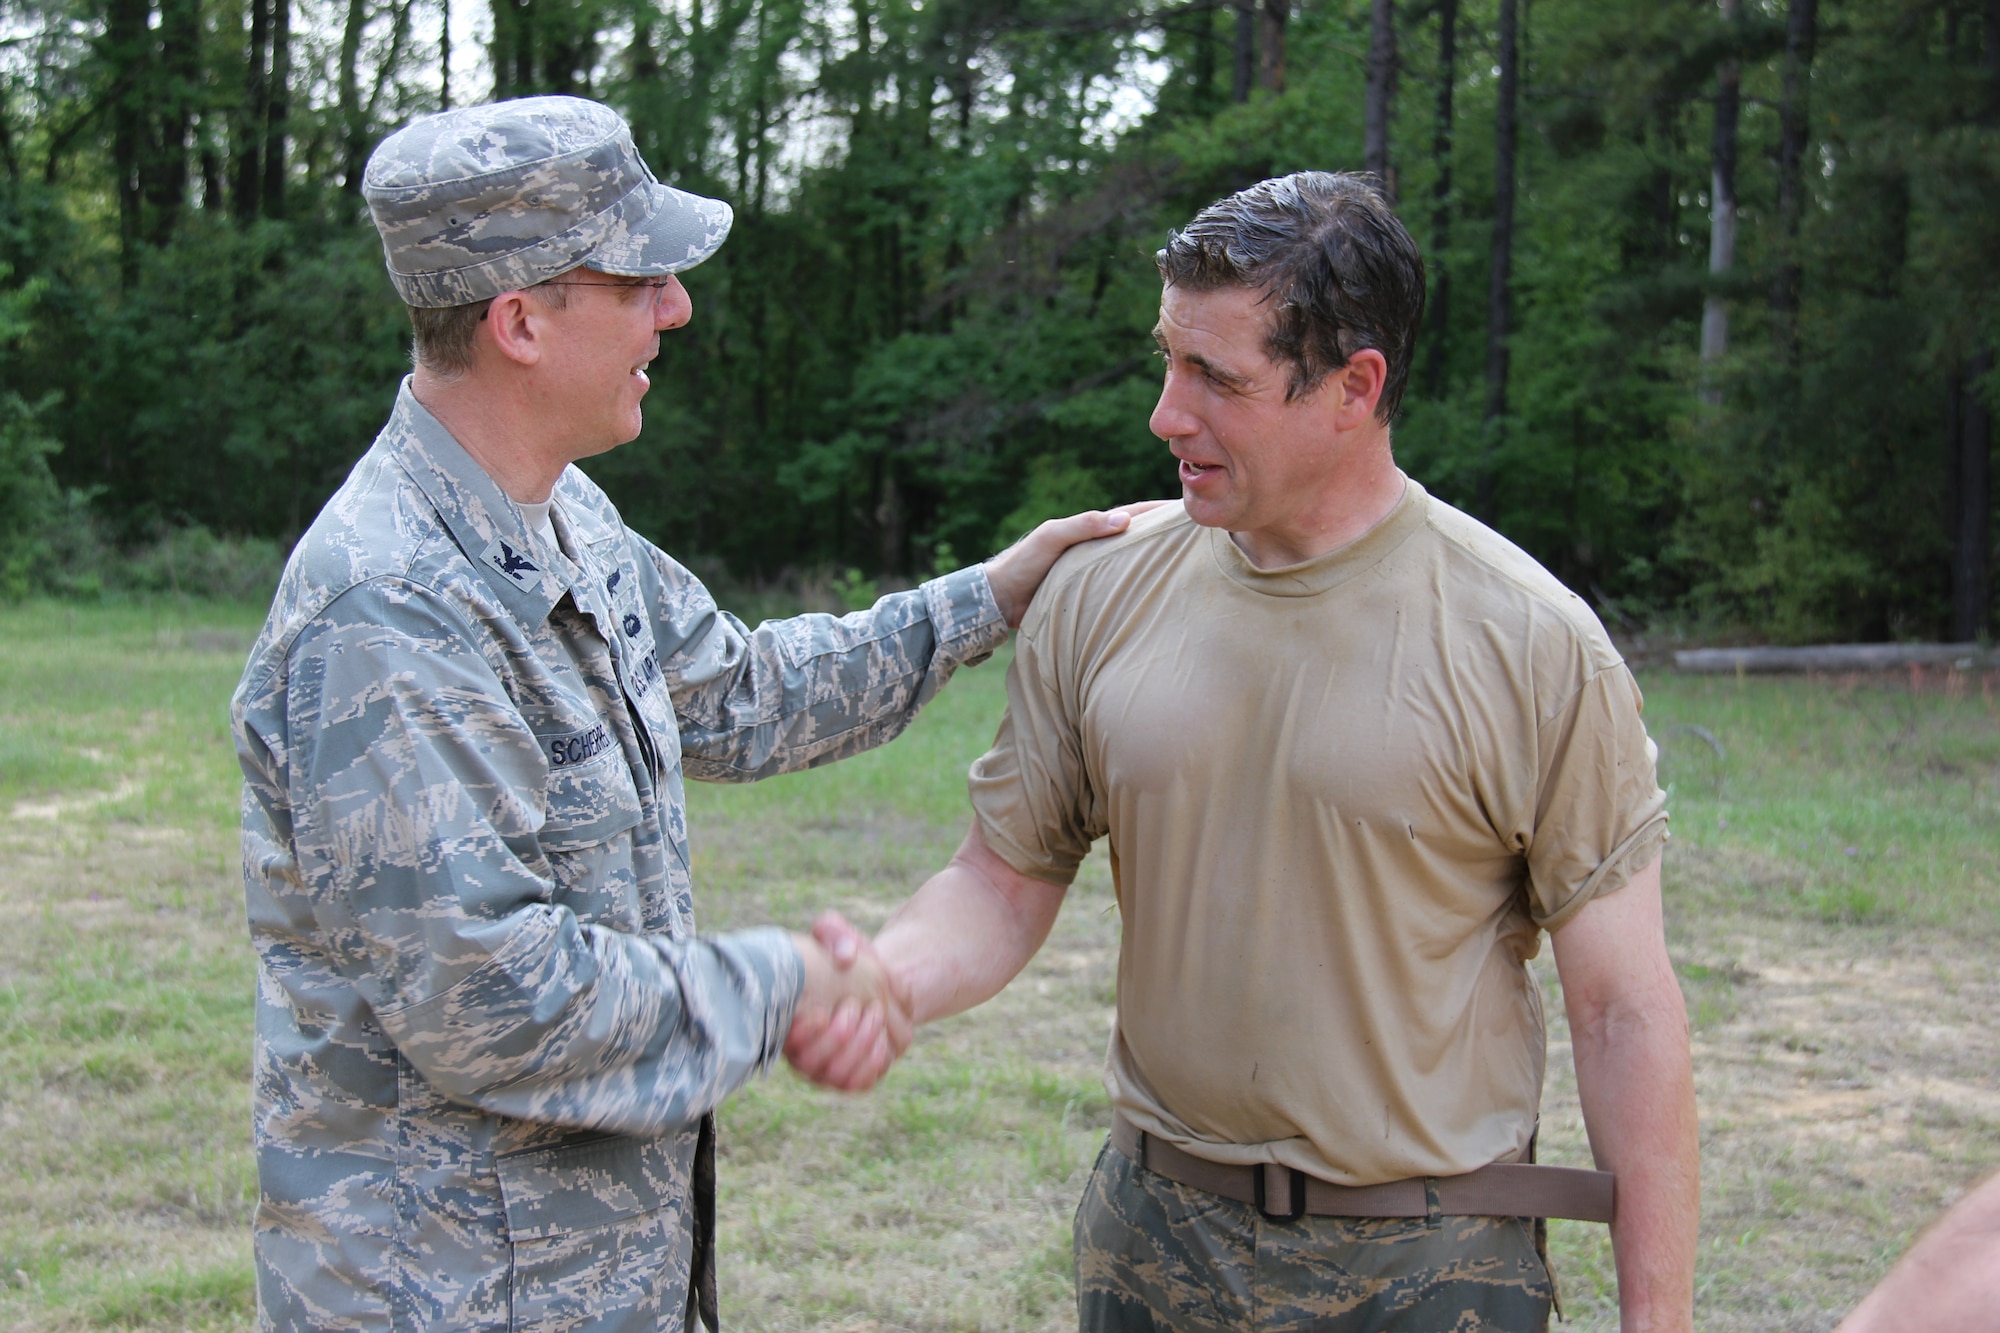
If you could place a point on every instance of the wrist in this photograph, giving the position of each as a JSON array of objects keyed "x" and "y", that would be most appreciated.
[
  {"x": 1649, "y": 1317},
  {"x": 818, "y": 990}
]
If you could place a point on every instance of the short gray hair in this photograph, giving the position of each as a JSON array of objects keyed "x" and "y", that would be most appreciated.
[
  {"x": 441, "y": 336},
  {"x": 1339, "y": 268}
]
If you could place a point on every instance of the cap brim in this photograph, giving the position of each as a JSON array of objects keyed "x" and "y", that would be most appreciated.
[{"x": 682, "y": 230}]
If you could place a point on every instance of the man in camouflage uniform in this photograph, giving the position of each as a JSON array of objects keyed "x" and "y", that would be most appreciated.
[
  {"x": 488, "y": 1038},
  {"x": 1353, "y": 753}
]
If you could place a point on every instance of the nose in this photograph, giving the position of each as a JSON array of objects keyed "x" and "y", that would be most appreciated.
[
  {"x": 673, "y": 307},
  {"x": 1171, "y": 420}
]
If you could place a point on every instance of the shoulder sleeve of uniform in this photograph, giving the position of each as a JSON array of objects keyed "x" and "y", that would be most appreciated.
[{"x": 1600, "y": 814}]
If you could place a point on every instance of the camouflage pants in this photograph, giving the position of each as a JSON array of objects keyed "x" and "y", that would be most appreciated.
[{"x": 1152, "y": 1254}]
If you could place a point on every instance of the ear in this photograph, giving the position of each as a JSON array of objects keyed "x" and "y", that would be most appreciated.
[
  {"x": 1359, "y": 383},
  {"x": 514, "y": 326}
]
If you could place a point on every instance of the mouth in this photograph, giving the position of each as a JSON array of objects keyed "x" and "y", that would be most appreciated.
[
  {"x": 639, "y": 371},
  {"x": 1193, "y": 472}
]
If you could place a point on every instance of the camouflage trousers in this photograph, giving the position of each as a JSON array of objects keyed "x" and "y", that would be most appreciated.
[{"x": 1152, "y": 1254}]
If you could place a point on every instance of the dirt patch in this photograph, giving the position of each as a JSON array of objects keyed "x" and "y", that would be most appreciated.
[
  {"x": 1848, "y": 1076},
  {"x": 1849, "y": 1089}
]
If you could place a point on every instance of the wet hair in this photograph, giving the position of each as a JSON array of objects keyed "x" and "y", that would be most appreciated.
[
  {"x": 1338, "y": 269},
  {"x": 441, "y": 336}
]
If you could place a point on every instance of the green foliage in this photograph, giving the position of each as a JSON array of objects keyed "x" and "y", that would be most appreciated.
[
  {"x": 929, "y": 328},
  {"x": 31, "y": 502},
  {"x": 855, "y": 592},
  {"x": 1055, "y": 487},
  {"x": 32, "y": 505}
]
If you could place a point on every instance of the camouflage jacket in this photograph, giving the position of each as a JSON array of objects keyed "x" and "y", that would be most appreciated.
[{"x": 487, "y": 1034}]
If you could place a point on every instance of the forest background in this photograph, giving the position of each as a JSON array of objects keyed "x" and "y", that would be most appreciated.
[{"x": 1711, "y": 325}]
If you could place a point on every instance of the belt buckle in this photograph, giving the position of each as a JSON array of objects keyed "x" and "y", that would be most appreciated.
[{"x": 1298, "y": 1191}]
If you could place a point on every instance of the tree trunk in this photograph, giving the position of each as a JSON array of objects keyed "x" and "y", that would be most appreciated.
[
  {"x": 527, "y": 46},
  {"x": 1271, "y": 44},
  {"x": 1972, "y": 440},
  {"x": 212, "y": 200},
  {"x": 1972, "y": 500},
  {"x": 1666, "y": 199},
  {"x": 444, "y": 55},
  {"x": 1991, "y": 120},
  {"x": 1245, "y": 69},
  {"x": 1722, "y": 212},
  {"x": 256, "y": 112},
  {"x": 276, "y": 126},
  {"x": 502, "y": 51},
  {"x": 1500, "y": 295},
  {"x": 166, "y": 174},
  {"x": 1792, "y": 108},
  {"x": 1202, "y": 73},
  {"x": 889, "y": 523},
  {"x": 1832, "y": 657},
  {"x": 1441, "y": 150},
  {"x": 386, "y": 70},
  {"x": 514, "y": 48},
  {"x": 354, "y": 132},
  {"x": 1381, "y": 94},
  {"x": 127, "y": 42}
]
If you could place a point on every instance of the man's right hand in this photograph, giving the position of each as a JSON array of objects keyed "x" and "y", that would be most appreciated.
[
  {"x": 852, "y": 1021},
  {"x": 1018, "y": 571}
]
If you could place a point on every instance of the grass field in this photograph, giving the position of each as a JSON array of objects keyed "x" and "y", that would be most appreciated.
[{"x": 1834, "y": 890}]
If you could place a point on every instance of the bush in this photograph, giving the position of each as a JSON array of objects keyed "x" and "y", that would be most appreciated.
[
  {"x": 194, "y": 562},
  {"x": 32, "y": 505}
]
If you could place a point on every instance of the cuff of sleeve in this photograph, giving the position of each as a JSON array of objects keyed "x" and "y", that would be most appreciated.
[
  {"x": 965, "y": 615},
  {"x": 767, "y": 953},
  {"x": 1614, "y": 872},
  {"x": 1060, "y": 872}
]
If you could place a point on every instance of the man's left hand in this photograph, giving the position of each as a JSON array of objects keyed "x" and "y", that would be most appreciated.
[{"x": 1019, "y": 570}]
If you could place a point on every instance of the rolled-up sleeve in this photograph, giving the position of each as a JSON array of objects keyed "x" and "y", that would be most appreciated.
[
  {"x": 1031, "y": 792},
  {"x": 1599, "y": 814},
  {"x": 415, "y": 794}
]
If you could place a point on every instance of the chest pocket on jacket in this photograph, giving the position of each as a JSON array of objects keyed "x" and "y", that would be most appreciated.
[
  {"x": 596, "y": 1225},
  {"x": 587, "y": 837},
  {"x": 588, "y": 803}
]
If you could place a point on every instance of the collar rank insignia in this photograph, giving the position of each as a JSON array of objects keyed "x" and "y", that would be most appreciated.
[{"x": 512, "y": 563}]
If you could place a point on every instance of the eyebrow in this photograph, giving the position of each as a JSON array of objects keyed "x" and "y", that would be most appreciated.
[{"x": 1220, "y": 374}]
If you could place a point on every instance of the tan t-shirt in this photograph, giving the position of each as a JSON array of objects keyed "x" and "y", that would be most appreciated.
[{"x": 1341, "y": 797}]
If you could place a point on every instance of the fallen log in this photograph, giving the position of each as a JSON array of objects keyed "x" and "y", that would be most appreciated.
[{"x": 1837, "y": 657}]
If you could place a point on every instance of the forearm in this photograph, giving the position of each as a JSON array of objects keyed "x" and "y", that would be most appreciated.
[
  {"x": 1636, "y": 1082},
  {"x": 796, "y": 693},
  {"x": 1629, "y": 1036},
  {"x": 600, "y": 1029},
  {"x": 967, "y": 932},
  {"x": 1949, "y": 1280}
]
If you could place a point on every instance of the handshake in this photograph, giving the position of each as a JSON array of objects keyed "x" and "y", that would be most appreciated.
[{"x": 854, "y": 1017}]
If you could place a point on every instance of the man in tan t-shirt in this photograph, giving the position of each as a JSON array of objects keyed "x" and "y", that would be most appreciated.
[{"x": 1354, "y": 752}]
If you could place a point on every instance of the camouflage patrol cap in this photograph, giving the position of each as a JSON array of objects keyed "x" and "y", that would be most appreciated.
[{"x": 490, "y": 199}]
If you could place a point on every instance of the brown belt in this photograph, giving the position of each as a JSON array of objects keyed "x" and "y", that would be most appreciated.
[{"x": 1503, "y": 1189}]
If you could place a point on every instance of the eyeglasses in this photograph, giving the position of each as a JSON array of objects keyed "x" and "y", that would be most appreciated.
[{"x": 657, "y": 286}]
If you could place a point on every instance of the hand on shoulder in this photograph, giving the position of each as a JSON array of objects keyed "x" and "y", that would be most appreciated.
[{"x": 1017, "y": 572}]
